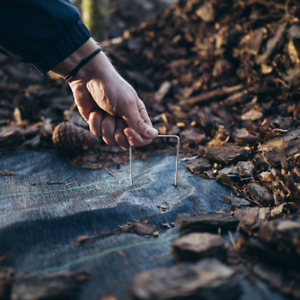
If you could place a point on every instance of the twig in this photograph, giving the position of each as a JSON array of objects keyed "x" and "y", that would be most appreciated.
[
  {"x": 233, "y": 243},
  {"x": 110, "y": 173},
  {"x": 113, "y": 171},
  {"x": 280, "y": 130},
  {"x": 295, "y": 119},
  {"x": 268, "y": 4},
  {"x": 282, "y": 82},
  {"x": 113, "y": 232},
  {"x": 263, "y": 154},
  {"x": 287, "y": 2},
  {"x": 224, "y": 91}
]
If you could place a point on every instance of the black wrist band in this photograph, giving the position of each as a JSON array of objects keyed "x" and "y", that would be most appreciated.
[{"x": 82, "y": 63}]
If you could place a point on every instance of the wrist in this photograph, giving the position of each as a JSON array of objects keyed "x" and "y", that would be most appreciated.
[
  {"x": 99, "y": 68},
  {"x": 70, "y": 63}
]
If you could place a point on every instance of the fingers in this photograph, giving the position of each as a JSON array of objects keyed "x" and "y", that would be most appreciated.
[
  {"x": 135, "y": 139},
  {"x": 111, "y": 128},
  {"x": 102, "y": 99},
  {"x": 143, "y": 112},
  {"x": 119, "y": 135},
  {"x": 136, "y": 117},
  {"x": 114, "y": 130},
  {"x": 108, "y": 127},
  {"x": 83, "y": 99},
  {"x": 95, "y": 119}
]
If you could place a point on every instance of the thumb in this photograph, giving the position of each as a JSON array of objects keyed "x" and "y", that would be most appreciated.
[{"x": 137, "y": 118}]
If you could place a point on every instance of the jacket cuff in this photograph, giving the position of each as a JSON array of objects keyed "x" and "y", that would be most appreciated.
[{"x": 61, "y": 48}]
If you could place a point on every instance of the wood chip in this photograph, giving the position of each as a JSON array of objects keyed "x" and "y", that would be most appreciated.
[
  {"x": 260, "y": 193},
  {"x": 196, "y": 246},
  {"x": 209, "y": 279},
  {"x": 246, "y": 169},
  {"x": 282, "y": 234},
  {"x": 228, "y": 154},
  {"x": 236, "y": 202},
  {"x": 207, "y": 221},
  {"x": 51, "y": 286}
]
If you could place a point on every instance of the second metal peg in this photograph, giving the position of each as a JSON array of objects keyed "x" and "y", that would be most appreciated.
[{"x": 177, "y": 157}]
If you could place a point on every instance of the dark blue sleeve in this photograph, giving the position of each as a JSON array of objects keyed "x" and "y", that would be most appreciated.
[{"x": 40, "y": 32}]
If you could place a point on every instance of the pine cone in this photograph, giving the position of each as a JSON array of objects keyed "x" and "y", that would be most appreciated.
[{"x": 71, "y": 139}]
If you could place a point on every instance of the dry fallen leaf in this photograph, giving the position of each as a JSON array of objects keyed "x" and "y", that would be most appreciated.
[
  {"x": 163, "y": 208},
  {"x": 7, "y": 173},
  {"x": 293, "y": 52},
  {"x": 266, "y": 176},
  {"x": 252, "y": 115},
  {"x": 215, "y": 143},
  {"x": 52, "y": 182},
  {"x": 265, "y": 69}
]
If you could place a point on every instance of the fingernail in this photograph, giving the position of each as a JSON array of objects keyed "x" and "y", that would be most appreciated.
[{"x": 151, "y": 132}]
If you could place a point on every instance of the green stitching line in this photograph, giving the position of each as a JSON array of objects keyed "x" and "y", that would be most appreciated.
[
  {"x": 115, "y": 249},
  {"x": 82, "y": 186},
  {"x": 108, "y": 251}
]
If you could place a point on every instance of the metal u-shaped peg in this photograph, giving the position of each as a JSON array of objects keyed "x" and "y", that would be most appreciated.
[{"x": 177, "y": 157}]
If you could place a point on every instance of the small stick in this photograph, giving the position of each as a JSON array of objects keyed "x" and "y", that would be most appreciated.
[
  {"x": 110, "y": 173},
  {"x": 235, "y": 247}
]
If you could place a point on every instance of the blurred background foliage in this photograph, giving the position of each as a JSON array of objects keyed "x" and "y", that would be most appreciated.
[{"x": 107, "y": 19}]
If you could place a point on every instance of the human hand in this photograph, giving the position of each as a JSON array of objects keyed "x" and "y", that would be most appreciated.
[{"x": 106, "y": 101}]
